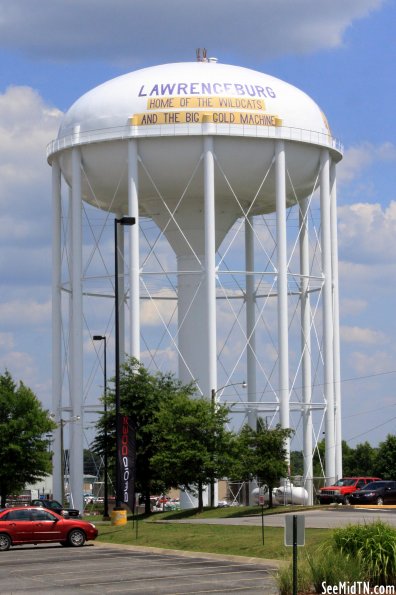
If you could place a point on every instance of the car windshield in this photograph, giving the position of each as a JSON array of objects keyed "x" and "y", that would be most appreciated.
[
  {"x": 345, "y": 482},
  {"x": 54, "y": 504}
]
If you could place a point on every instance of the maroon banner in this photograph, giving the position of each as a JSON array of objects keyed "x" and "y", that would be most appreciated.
[{"x": 126, "y": 460}]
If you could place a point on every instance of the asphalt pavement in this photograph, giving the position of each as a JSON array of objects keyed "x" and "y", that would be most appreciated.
[
  {"x": 135, "y": 570},
  {"x": 130, "y": 570}
]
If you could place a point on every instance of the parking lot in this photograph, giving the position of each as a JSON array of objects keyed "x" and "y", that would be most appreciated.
[
  {"x": 101, "y": 568},
  {"x": 109, "y": 569}
]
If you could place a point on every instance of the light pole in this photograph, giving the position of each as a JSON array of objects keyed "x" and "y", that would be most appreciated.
[
  {"x": 106, "y": 485},
  {"x": 214, "y": 392},
  {"x": 121, "y": 221}
]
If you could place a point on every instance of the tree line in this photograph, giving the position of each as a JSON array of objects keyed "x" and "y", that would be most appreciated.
[
  {"x": 361, "y": 460},
  {"x": 181, "y": 440}
]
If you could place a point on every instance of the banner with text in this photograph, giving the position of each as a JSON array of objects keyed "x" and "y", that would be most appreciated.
[{"x": 126, "y": 460}]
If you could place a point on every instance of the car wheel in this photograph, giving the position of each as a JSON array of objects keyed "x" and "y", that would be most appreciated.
[
  {"x": 380, "y": 501},
  {"x": 347, "y": 500},
  {"x": 5, "y": 542},
  {"x": 76, "y": 538}
]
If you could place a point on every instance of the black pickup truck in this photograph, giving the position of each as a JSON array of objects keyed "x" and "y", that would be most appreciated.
[{"x": 56, "y": 507}]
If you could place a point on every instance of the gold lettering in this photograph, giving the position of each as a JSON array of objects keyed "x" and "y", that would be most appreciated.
[
  {"x": 248, "y": 118},
  {"x": 160, "y": 103}
]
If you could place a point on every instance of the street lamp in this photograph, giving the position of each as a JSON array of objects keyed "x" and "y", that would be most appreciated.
[
  {"x": 214, "y": 392},
  {"x": 217, "y": 390},
  {"x": 121, "y": 221},
  {"x": 106, "y": 485}
]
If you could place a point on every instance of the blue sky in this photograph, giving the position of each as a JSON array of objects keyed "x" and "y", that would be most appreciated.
[{"x": 341, "y": 52}]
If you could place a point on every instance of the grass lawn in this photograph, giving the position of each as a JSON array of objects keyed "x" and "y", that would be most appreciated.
[{"x": 220, "y": 539}]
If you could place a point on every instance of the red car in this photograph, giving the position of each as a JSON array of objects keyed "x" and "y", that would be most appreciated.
[
  {"x": 341, "y": 491},
  {"x": 21, "y": 525}
]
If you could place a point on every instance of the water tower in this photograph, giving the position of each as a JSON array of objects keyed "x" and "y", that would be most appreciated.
[{"x": 203, "y": 151}]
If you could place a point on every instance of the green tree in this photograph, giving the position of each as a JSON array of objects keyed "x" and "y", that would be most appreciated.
[
  {"x": 262, "y": 454},
  {"x": 348, "y": 461},
  {"x": 93, "y": 464},
  {"x": 192, "y": 443},
  {"x": 385, "y": 460},
  {"x": 142, "y": 396},
  {"x": 296, "y": 463},
  {"x": 24, "y": 453},
  {"x": 319, "y": 459},
  {"x": 361, "y": 460}
]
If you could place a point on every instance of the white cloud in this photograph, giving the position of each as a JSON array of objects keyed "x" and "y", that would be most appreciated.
[
  {"x": 153, "y": 312},
  {"x": 20, "y": 365},
  {"x": 166, "y": 359},
  {"x": 355, "y": 334},
  {"x": 132, "y": 32},
  {"x": 24, "y": 313},
  {"x": 367, "y": 232},
  {"x": 358, "y": 158},
  {"x": 366, "y": 364},
  {"x": 27, "y": 125},
  {"x": 350, "y": 306},
  {"x": 365, "y": 281},
  {"x": 6, "y": 341}
]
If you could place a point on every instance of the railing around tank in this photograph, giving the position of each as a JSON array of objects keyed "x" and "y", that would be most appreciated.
[{"x": 124, "y": 132}]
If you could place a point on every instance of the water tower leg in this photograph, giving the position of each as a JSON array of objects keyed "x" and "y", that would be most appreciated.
[
  {"x": 210, "y": 261},
  {"x": 336, "y": 323},
  {"x": 250, "y": 322},
  {"x": 328, "y": 354},
  {"x": 134, "y": 272},
  {"x": 250, "y": 334},
  {"x": 76, "y": 443},
  {"x": 121, "y": 289},
  {"x": 56, "y": 326},
  {"x": 283, "y": 325},
  {"x": 210, "y": 272},
  {"x": 306, "y": 349}
]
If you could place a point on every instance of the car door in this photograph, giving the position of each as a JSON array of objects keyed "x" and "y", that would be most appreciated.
[
  {"x": 46, "y": 526},
  {"x": 18, "y": 523},
  {"x": 390, "y": 493}
]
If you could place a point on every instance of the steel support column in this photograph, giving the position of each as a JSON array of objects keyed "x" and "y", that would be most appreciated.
[
  {"x": 328, "y": 354},
  {"x": 336, "y": 323},
  {"x": 134, "y": 272},
  {"x": 210, "y": 263},
  {"x": 306, "y": 349},
  {"x": 250, "y": 322},
  {"x": 283, "y": 332},
  {"x": 76, "y": 364},
  {"x": 56, "y": 325}
]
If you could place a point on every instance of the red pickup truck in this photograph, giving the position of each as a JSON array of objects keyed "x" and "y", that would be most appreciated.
[{"x": 340, "y": 491}]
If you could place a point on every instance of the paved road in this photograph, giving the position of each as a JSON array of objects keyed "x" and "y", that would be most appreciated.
[
  {"x": 314, "y": 519},
  {"x": 100, "y": 568}
]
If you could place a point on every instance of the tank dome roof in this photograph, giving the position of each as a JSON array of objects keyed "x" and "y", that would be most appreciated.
[{"x": 165, "y": 94}]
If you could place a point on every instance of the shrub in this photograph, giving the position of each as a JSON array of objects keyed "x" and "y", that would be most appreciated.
[
  {"x": 326, "y": 565},
  {"x": 332, "y": 567},
  {"x": 374, "y": 545},
  {"x": 285, "y": 578}
]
